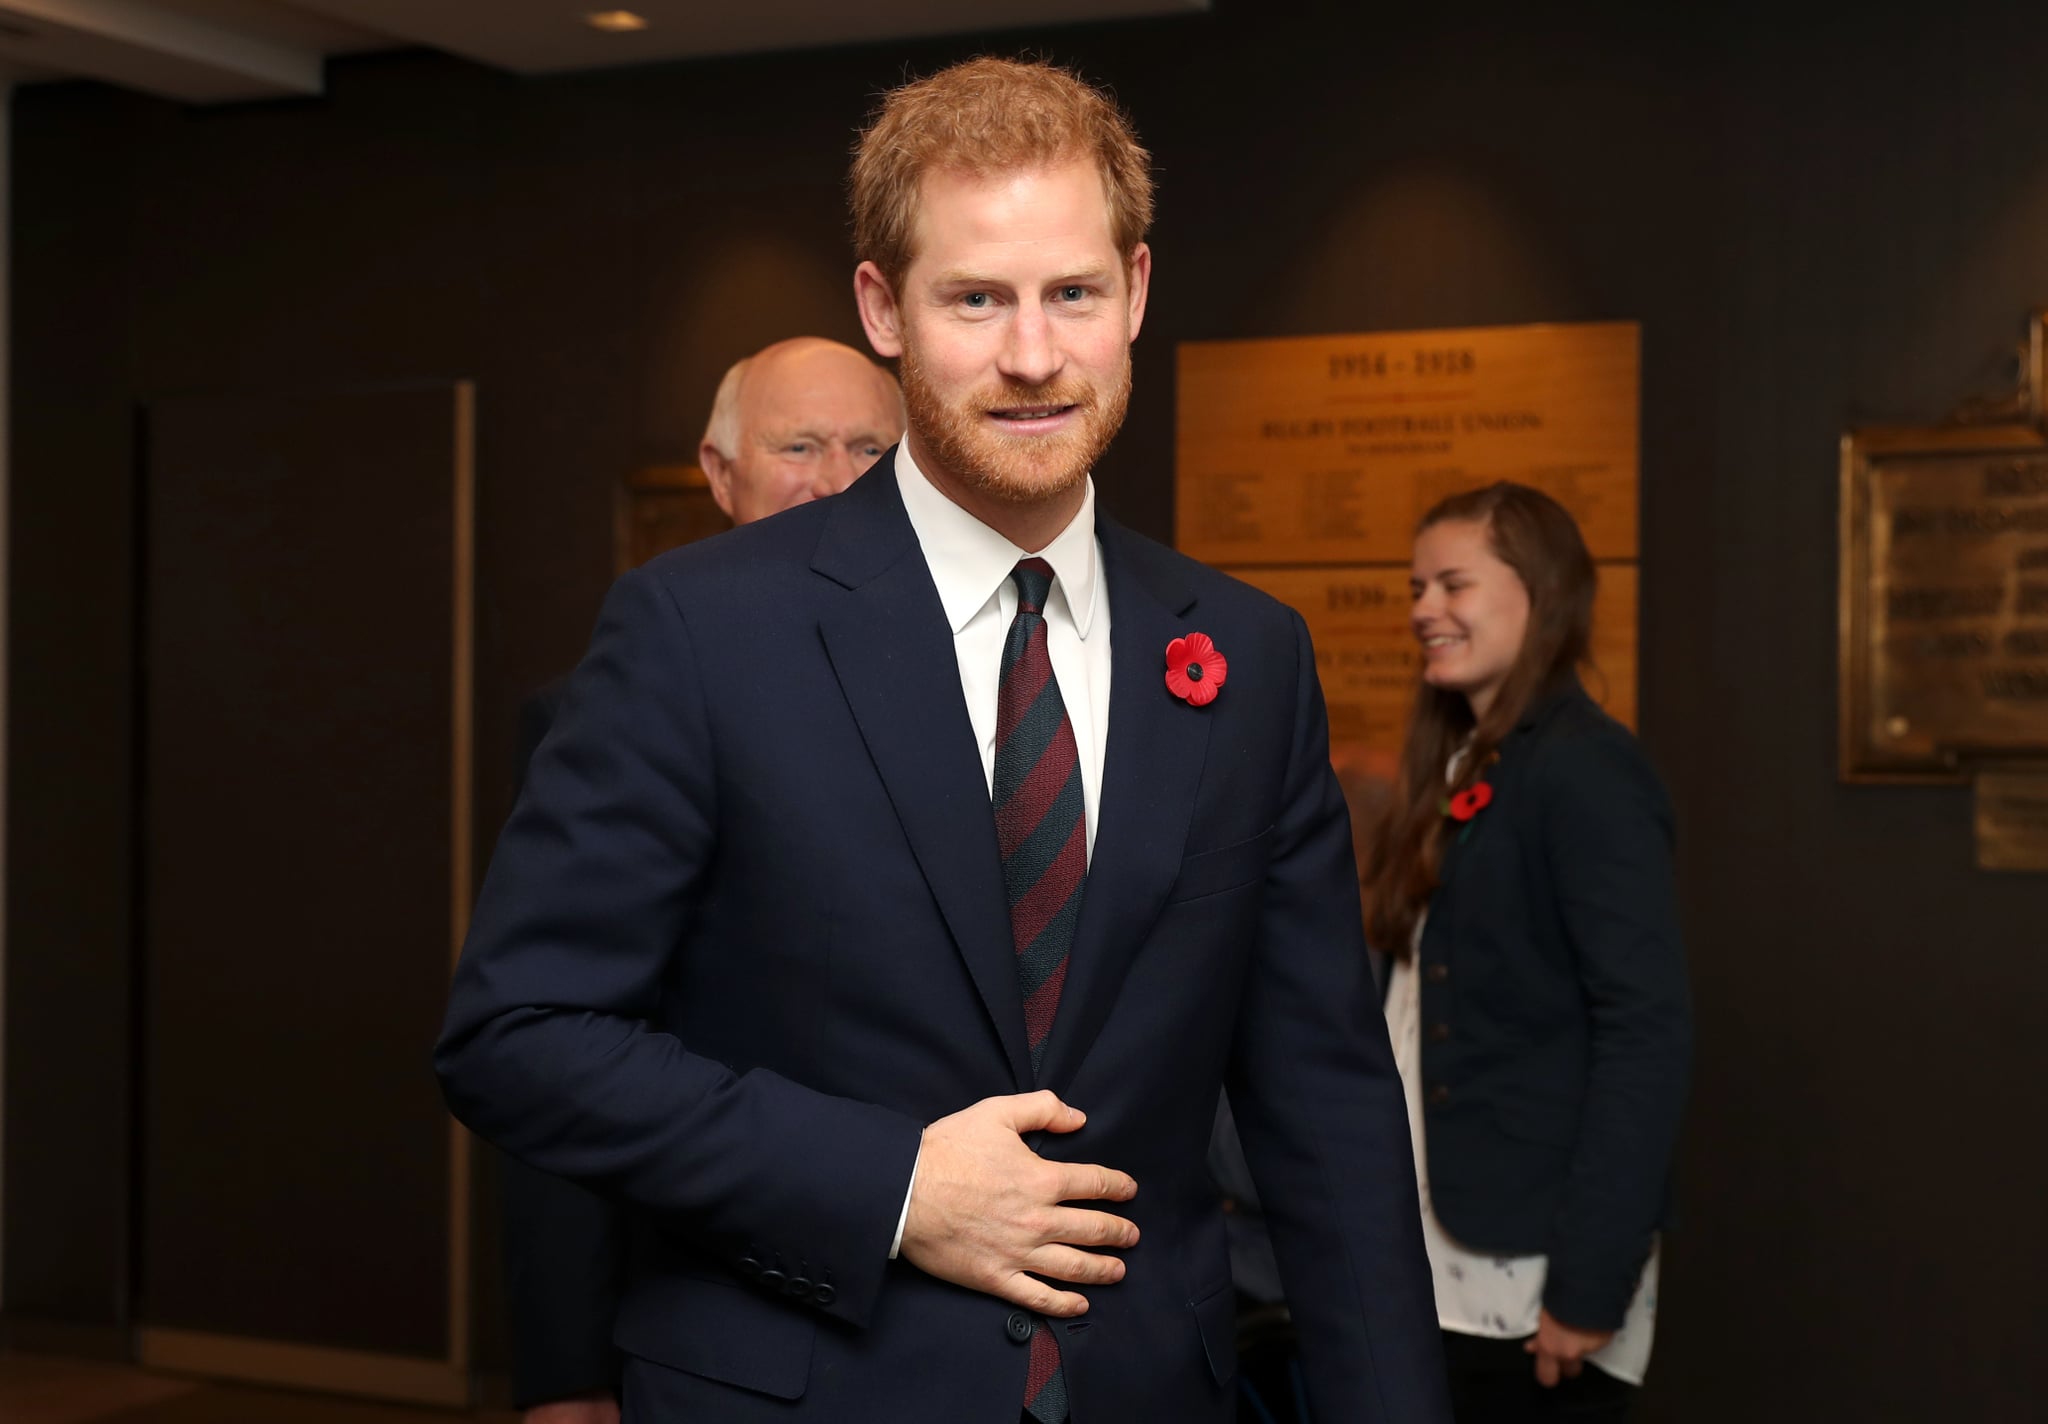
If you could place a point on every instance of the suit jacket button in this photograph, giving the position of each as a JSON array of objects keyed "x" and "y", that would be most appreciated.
[
  {"x": 749, "y": 1266},
  {"x": 1437, "y": 973},
  {"x": 1018, "y": 1327},
  {"x": 824, "y": 1295},
  {"x": 1438, "y": 1096},
  {"x": 1438, "y": 1032},
  {"x": 796, "y": 1286},
  {"x": 773, "y": 1279}
]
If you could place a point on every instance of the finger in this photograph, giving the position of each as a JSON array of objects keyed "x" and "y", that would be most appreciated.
[
  {"x": 1074, "y": 1227},
  {"x": 1546, "y": 1369},
  {"x": 1084, "y": 1181},
  {"x": 1041, "y": 1111},
  {"x": 1570, "y": 1366},
  {"x": 1041, "y": 1299},
  {"x": 1082, "y": 1268}
]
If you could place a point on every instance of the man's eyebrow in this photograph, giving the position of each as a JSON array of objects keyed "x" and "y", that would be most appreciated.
[
  {"x": 822, "y": 436},
  {"x": 966, "y": 277}
]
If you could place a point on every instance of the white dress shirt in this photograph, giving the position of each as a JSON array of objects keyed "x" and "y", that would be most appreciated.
[{"x": 971, "y": 564}]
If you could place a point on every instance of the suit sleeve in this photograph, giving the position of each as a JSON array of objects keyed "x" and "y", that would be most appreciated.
[
  {"x": 547, "y": 1049},
  {"x": 1608, "y": 844},
  {"x": 564, "y": 1245},
  {"x": 1320, "y": 1110}
]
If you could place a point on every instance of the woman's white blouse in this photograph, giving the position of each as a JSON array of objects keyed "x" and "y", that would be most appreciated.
[{"x": 1499, "y": 1297}]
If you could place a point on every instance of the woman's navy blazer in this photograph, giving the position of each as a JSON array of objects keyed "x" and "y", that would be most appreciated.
[{"x": 1556, "y": 1015}]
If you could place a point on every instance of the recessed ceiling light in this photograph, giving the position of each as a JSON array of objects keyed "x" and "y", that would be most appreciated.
[{"x": 615, "y": 22}]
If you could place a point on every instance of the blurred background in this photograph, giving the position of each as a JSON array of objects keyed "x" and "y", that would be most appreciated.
[{"x": 438, "y": 279}]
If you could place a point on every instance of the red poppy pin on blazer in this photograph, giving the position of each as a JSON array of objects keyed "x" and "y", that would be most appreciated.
[
  {"x": 1471, "y": 801},
  {"x": 1195, "y": 671}
]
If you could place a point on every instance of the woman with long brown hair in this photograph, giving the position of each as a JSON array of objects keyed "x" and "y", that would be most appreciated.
[{"x": 1521, "y": 883}]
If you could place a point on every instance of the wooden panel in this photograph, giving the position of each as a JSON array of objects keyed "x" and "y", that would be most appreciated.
[
  {"x": 305, "y": 869},
  {"x": 664, "y": 507},
  {"x": 1328, "y": 449},
  {"x": 2012, "y": 819}
]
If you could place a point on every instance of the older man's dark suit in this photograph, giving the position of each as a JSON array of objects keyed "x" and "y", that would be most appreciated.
[{"x": 745, "y": 935}]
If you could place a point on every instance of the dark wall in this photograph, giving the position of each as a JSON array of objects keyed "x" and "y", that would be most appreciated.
[
  {"x": 297, "y": 794},
  {"x": 1816, "y": 223},
  {"x": 70, "y": 755}
]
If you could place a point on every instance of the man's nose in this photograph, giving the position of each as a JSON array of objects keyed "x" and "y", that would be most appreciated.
[
  {"x": 1030, "y": 356},
  {"x": 836, "y": 470}
]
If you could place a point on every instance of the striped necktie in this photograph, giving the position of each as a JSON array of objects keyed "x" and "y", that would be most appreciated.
[{"x": 1042, "y": 829}]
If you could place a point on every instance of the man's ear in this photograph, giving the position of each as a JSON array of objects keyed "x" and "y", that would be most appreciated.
[
  {"x": 1139, "y": 271},
  {"x": 718, "y": 473},
  {"x": 879, "y": 312}
]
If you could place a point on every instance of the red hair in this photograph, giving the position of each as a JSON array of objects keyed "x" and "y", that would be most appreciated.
[{"x": 990, "y": 116}]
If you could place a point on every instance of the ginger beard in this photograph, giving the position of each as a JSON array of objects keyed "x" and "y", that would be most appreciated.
[{"x": 965, "y": 440}]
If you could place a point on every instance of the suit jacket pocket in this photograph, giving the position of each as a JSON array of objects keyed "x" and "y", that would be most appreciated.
[
  {"x": 726, "y": 1332},
  {"x": 1216, "y": 1317},
  {"x": 1213, "y": 871}
]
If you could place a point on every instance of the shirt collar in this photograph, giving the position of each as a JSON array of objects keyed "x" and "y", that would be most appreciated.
[{"x": 970, "y": 562}]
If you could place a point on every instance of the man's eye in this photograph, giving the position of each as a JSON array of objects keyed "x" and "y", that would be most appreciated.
[
  {"x": 1073, "y": 294},
  {"x": 978, "y": 301},
  {"x": 798, "y": 447}
]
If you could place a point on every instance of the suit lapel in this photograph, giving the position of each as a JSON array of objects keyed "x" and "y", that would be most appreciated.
[
  {"x": 1151, "y": 770},
  {"x": 892, "y": 650}
]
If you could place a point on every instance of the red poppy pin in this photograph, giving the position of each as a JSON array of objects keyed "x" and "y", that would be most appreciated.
[
  {"x": 1195, "y": 671},
  {"x": 1471, "y": 801}
]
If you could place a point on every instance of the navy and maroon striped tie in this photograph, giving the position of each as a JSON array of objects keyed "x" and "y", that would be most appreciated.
[{"x": 1042, "y": 829}]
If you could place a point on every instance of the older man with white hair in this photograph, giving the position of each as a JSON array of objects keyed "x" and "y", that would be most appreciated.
[{"x": 794, "y": 422}]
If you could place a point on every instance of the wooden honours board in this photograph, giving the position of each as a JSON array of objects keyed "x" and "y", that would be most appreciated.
[
  {"x": 1304, "y": 463},
  {"x": 1327, "y": 449}
]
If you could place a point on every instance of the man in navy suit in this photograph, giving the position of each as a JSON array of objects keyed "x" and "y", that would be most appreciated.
[
  {"x": 798, "y": 420},
  {"x": 885, "y": 961}
]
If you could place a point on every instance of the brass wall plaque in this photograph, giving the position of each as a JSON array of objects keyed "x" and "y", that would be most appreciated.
[
  {"x": 2012, "y": 820},
  {"x": 1328, "y": 449},
  {"x": 1944, "y": 599}
]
